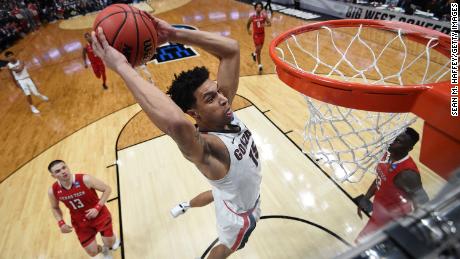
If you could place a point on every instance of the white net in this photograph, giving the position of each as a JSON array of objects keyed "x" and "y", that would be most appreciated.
[{"x": 351, "y": 142}]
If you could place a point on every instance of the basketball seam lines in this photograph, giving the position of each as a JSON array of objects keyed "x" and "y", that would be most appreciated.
[
  {"x": 137, "y": 34},
  {"x": 108, "y": 16},
  {"x": 148, "y": 28},
  {"x": 119, "y": 29}
]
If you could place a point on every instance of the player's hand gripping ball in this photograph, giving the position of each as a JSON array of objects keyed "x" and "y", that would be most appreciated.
[{"x": 130, "y": 31}]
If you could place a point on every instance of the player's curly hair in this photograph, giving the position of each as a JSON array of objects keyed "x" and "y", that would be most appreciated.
[{"x": 184, "y": 85}]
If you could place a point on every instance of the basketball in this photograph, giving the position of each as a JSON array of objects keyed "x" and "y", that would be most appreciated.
[{"x": 128, "y": 30}]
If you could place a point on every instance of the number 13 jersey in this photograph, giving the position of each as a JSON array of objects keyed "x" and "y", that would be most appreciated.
[{"x": 79, "y": 198}]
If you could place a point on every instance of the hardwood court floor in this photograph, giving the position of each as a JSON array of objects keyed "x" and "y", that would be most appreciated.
[
  {"x": 54, "y": 60},
  {"x": 85, "y": 126},
  {"x": 291, "y": 186}
]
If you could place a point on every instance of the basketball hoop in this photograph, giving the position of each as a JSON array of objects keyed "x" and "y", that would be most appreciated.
[{"x": 362, "y": 79}]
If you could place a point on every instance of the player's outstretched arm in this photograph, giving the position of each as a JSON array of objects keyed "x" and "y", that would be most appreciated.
[
  {"x": 57, "y": 212},
  {"x": 162, "y": 111},
  {"x": 225, "y": 49}
]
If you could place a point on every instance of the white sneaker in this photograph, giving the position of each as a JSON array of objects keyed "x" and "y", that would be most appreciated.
[
  {"x": 180, "y": 209},
  {"x": 116, "y": 244},
  {"x": 106, "y": 253},
  {"x": 44, "y": 97},
  {"x": 260, "y": 68},
  {"x": 34, "y": 109}
]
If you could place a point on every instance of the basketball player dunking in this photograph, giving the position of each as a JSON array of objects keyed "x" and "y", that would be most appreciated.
[
  {"x": 220, "y": 145},
  {"x": 259, "y": 21},
  {"x": 88, "y": 213},
  {"x": 96, "y": 62},
  {"x": 398, "y": 187}
]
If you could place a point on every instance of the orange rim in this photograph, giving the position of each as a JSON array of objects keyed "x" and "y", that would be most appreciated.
[
  {"x": 431, "y": 102},
  {"x": 415, "y": 33}
]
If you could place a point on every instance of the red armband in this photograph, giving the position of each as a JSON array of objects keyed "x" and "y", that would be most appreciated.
[
  {"x": 98, "y": 207},
  {"x": 61, "y": 223}
]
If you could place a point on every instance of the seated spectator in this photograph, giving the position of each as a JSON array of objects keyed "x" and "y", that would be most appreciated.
[
  {"x": 407, "y": 6},
  {"x": 47, "y": 14},
  {"x": 430, "y": 5},
  {"x": 33, "y": 9},
  {"x": 70, "y": 10},
  {"x": 59, "y": 9},
  {"x": 21, "y": 16},
  {"x": 83, "y": 8},
  {"x": 419, "y": 4},
  {"x": 442, "y": 9},
  {"x": 392, "y": 3}
]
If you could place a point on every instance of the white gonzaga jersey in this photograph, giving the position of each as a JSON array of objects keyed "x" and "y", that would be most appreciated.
[
  {"x": 21, "y": 75},
  {"x": 240, "y": 188}
]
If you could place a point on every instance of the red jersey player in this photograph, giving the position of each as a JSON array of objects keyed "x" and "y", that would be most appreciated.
[
  {"x": 259, "y": 21},
  {"x": 96, "y": 63},
  {"x": 88, "y": 213},
  {"x": 398, "y": 187}
]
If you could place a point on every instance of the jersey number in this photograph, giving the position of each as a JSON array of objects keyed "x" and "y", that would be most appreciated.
[
  {"x": 254, "y": 154},
  {"x": 258, "y": 24},
  {"x": 77, "y": 204}
]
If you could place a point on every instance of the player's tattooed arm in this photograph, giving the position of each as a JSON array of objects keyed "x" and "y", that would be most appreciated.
[
  {"x": 198, "y": 154},
  {"x": 202, "y": 142}
]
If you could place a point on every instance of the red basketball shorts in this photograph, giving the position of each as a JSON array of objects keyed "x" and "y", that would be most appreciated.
[
  {"x": 87, "y": 229},
  {"x": 258, "y": 39},
  {"x": 98, "y": 69}
]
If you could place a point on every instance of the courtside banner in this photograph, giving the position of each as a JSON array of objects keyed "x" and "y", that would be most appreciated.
[{"x": 354, "y": 11}]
